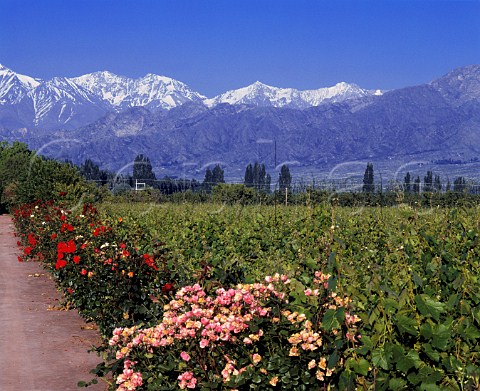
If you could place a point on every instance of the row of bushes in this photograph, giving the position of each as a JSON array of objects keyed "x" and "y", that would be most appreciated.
[
  {"x": 238, "y": 194},
  {"x": 26, "y": 177}
]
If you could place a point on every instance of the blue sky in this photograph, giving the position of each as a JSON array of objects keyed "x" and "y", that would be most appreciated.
[{"x": 216, "y": 45}]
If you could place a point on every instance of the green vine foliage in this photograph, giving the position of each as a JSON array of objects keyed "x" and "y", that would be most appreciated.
[{"x": 420, "y": 303}]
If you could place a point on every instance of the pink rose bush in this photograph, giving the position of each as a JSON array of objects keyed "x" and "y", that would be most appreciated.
[{"x": 247, "y": 336}]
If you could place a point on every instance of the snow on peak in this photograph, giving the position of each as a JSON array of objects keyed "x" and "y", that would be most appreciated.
[
  {"x": 151, "y": 90},
  {"x": 4, "y": 69},
  {"x": 158, "y": 78},
  {"x": 14, "y": 86},
  {"x": 260, "y": 94},
  {"x": 30, "y": 81},
  {"x": 104, "y": 90},
  {"x": 27, "y": 81}
]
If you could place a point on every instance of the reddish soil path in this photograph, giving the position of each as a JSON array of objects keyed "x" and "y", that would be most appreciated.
[{"x": 40, "y": 349}]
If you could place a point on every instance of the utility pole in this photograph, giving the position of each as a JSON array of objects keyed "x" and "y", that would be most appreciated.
[{"x": 275, "y": 155}]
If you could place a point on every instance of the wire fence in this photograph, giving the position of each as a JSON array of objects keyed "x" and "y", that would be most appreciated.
[{"x": 298, "y": 186}]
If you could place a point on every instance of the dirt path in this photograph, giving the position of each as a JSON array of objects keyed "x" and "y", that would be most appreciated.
[{"x": 40, "y": 349}]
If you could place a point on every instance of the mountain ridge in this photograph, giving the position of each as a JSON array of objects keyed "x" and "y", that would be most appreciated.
[
  {"x": 436, "y": 121},
  {"x": 99, "y": 92}
]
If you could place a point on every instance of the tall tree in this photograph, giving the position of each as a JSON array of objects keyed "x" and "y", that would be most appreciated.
[
  {"x": 268, "y": 183},
  {"x": 208, "y": 180},
  {"x": 256, "y": 177},
  {"x": 368, "y": 179},
  {"x": 285, "y": 178},
  {"x": 437, "y": 184},
  {"x": 428, "y": 182},
  {"x": 459, "y": 184},
  {"x": 407, "y": 186},
  {"x": 91, "y": 172},
  {"x": 213, "y": 177},
  {"x": 218, "y": 175},
  {"x": 248, "y": 179},
  {"x": 416, "y": 185},
  {"x": 142, "y": 170}
]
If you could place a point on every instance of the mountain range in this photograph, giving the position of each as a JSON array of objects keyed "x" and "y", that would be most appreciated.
[
  {"x": 68, "y": 103},
  {"x": 111, "y": 119}
]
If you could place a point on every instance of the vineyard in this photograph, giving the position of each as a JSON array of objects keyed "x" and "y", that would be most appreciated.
[
  {"x": 331, "y": 292},
  {"x": 211, "y": 296}
]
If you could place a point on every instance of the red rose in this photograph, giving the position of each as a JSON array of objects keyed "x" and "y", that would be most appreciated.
[{"x": 168, "y": 288}]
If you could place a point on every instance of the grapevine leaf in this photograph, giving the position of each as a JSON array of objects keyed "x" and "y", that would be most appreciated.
[
  {"x": 472, "y": 332},
  {"x": 396, "y": 384},
  {"x": 430, "y": 352},
  {"x": 441, "y": 337},
  {"x": 406, "y": 324},
  {"x": 329, "y": 321},
  {"x": 429, "y": 307},
  {"x": 380, "y": 359},
  {"x": 361, "y": 366}
]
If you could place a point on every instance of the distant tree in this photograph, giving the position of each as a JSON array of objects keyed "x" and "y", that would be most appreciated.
[
  {"x": 268, "y": 183},
  {"x": 449, "y": 186},
  {"x": 459, "y": 184},
  {"x": 428, "y": 182},
  {"x": 213, "y": 177},
  {"x": 407, "y": 186},
  {"x": 368, "y": 179},
  {"x": 218, "y": 175},
  {"x": 91, "y": 172},
  {"x": 208, "y": 180},
  {"x": 142, "y": 170},
  {"x": 285, "y": 178},
  {"x": 256, "y": 177},
  {"x": 416, "y": 185},
  {"x": 169, "y": 185},
  {"x": 248, "y": 179},
  {"x": 437, "y": 184},
  {"x": 259, "y": 176}
]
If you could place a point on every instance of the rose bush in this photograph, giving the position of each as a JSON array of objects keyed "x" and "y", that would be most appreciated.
[
  {"x": 250, "y": 336},
  {"x": 110, "y": 273}
]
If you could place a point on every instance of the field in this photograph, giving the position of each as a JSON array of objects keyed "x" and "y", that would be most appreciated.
[
  {"x": 407, "y": 271},
  {"x": 409, "y": 275}
]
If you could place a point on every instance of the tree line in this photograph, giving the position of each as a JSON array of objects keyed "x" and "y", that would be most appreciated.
[
  {"x": 431, "y": 183},
  {"x": 255, "y": 177}
]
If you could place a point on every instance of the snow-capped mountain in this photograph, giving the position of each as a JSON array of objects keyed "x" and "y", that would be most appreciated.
[
  {"x": 59, "y": 100},
  {"x": 27, "y": 102},
  {"x": 67, "y": 103},
  {"x": 72, "y": 102},
  {"x": 437, "y": 122},
  {"x": 14, "y": 86},
  {"x": 259, "y": 94},
  {"x": 151, "y": 91}
]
